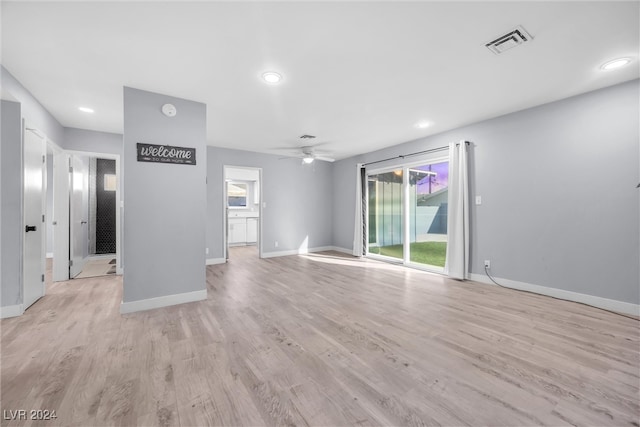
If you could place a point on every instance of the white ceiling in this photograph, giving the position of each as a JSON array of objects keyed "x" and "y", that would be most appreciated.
[{"x": 357, "y": 75}]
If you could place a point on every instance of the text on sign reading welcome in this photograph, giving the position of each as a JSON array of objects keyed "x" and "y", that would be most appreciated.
[{"x": 166, "y": 154}]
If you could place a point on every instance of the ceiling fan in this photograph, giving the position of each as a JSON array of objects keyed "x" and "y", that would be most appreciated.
[{"x": 308, "y": 154}]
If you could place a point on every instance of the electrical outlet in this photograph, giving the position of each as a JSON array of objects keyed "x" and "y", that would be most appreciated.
[
  {"x": 276, "y": 244},
  {"x": 207, "y": 251},
  {"x": 487, "y": 263}
]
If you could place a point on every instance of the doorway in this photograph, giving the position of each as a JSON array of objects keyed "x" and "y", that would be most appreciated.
[
  {"x": 86, "y": 215},
  {"x": 242, "y": 212},
  {"x": 93, "y": 208},
  {"x": 407, "y": 214}
]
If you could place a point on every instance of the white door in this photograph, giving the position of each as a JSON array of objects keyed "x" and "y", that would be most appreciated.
[
  {"x": 78, "y": 223},
  {"x": 34, "y": 225},
  {"x": 60, "y": 216}
]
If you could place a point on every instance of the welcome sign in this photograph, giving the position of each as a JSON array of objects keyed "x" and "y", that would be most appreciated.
[{"x": 166, "y": 154}]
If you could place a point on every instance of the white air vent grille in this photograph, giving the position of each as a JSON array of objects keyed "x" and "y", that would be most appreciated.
[{"x": 513, "y": 38}]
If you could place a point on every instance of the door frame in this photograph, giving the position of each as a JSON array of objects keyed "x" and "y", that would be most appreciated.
[
  {"x": 405, "y": 261},
  {"x": 26, "y": 127},
  {"x": 119, "y": 204},
  {"x": 60, "y": 217},
  {"x": 225, "y": 229}
]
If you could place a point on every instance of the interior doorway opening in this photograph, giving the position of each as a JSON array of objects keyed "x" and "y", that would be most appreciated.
[
  {"x": 86, "y": 215},
  {"x": 93, "y": 207},
  {"x": 243, "y": 211}
]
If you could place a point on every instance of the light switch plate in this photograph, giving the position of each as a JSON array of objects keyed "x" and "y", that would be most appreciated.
[{"x": 478, "y": 200}]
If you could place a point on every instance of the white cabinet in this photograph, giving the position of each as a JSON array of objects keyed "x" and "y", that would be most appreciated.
[
  {"x": 252, "y": 230},
  {"x": 243, "y": 230},
  {"x": 237, "y": 231}
]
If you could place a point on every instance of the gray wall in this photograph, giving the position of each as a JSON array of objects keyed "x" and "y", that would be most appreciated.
[
  {"x": 164, "y": 204},
  {"x": 559, "y": 203},
  {"x": 11, "y": 200},
  {"x": 299, "y": 200},
  {"x": 92, "y": 141},
  {"x": 32, "y": 110}
]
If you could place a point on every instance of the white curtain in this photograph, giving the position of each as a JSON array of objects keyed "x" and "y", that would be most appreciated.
[
  {"x": 457, "y": 264},
  {"x": 358, "y": 229}
]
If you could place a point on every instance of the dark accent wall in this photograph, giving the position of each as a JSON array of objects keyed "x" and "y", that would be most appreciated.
[{"x": 105, "y": 209}]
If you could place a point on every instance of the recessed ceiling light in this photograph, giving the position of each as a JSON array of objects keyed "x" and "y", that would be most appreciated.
[
  {"x": 86, "y": 109},
  {"x": 271, "y": 77},
  {"x": 422, "y": 125},
  {"x": 616, "y": 63}
]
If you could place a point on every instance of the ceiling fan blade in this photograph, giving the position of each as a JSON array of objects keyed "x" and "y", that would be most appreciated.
[{"x": 325, "y": 159}]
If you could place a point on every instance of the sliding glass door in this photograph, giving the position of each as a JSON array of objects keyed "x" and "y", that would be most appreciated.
[
  {"x": 407, "y": 214},
  {"x": 385, "y": 214}
]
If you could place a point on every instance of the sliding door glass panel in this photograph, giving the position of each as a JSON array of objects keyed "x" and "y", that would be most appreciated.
[
  {"x": 428, "y": 196},
  {"x": 373, "y": 211},
  {"x": 385, "y": 214}
]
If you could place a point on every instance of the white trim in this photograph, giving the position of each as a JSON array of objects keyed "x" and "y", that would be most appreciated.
[
  {"x": 608, "y": 304},
  {"x": 11, "y": 311},
  {"x": 301, "y": 251},
  {"x": 49, "y": 254},
  {"x": 215, "y": 261},
  {"x": 164, "y": 301}
]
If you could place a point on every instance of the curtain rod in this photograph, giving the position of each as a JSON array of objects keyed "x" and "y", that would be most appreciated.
[{"x": 402, "y": 156}]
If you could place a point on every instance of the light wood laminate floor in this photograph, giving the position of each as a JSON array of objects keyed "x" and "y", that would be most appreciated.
[{"x": 321, "y": 339}]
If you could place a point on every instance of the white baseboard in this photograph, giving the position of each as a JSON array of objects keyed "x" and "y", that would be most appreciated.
[
  {"x": 608, "y": 304},
  {"x": 164, "y": 301},
  {"x": 11, "y": 311},
  {"x": 296, "y": 252},
  {"x": 215, "y": 261},
  {"x": 49, "y": 254}
]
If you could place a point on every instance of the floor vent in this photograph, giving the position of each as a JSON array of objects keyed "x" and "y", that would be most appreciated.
[{"x": 513, "y": 38}]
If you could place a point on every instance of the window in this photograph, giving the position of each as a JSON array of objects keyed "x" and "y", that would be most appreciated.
[
  {"x": 407, "y": 214},
  {"x": 109, "y": 182},
  {"x": 236, "y": 195}
]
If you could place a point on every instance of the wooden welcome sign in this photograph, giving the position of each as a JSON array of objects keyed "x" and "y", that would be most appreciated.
[{"x": 166, "y": 154}]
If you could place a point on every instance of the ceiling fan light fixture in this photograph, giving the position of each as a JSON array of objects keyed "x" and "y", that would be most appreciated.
[
  {"x": 307, "y": 160},
  {"x": 271, "y": 77}
]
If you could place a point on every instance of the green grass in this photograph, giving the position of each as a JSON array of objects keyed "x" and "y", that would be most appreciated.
[{"x": 432, "y": 253}]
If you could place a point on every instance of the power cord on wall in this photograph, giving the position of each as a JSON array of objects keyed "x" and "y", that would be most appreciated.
[{"x": 486, "y": 271}]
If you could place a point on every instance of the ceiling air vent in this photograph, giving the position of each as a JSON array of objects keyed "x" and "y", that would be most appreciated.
[
  {"x": 307, "y": 137},
  {"x": 513, "y": 38}
]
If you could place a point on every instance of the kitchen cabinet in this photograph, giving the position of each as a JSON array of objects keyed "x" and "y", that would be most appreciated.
[
  {"x": 243, "y": 230},
  {"x": 252, "y": 230},
  {"x": 237, "y": 231}
]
